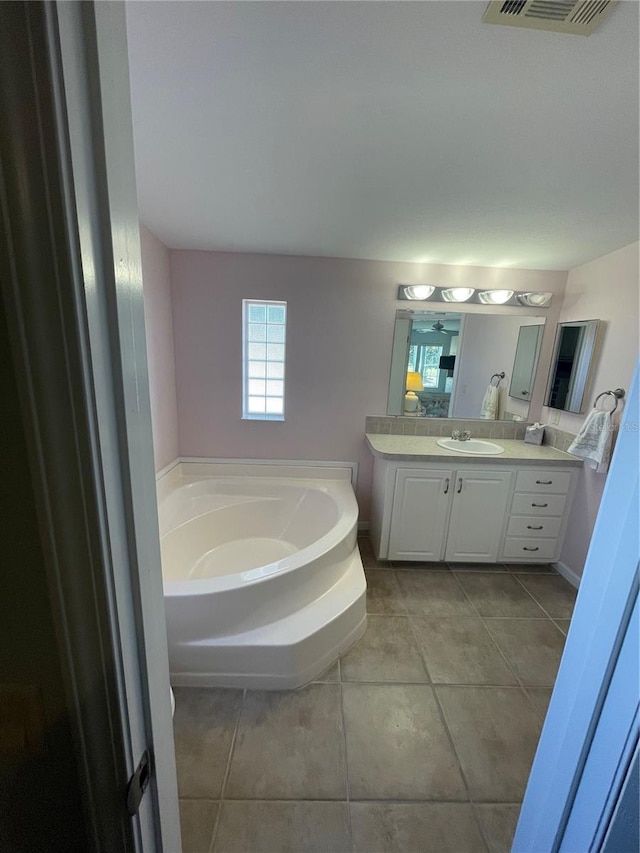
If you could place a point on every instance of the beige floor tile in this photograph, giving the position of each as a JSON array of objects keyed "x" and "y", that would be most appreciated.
[
  {"x": 498, "y": 826},
  {"x": 415, "y": 828},
  {"x": 204, "y": 722},
  {"x": 459, "y": 650},
  {"x": 289, "y": 746},
  {"x": 197, "y": 820},
  {"x": 420, "y": 566},
  {"x": 495, "y": 733},
  {"x": 540, "y": 696},
  {"x": 277, "y": 827},
  {"x": 383, "y": 592},
  {"x": 555, "y": 594},
  {"x": 433, "y": 594},
  {"x": 397, "y": 747},
  {"x": 331, "y": 675},
  {"x": 388, "y": 651},
  {"x": 563, "y": 624},
  {"x": 532, "y": 647},
  {"x": 498, "y": 595}
]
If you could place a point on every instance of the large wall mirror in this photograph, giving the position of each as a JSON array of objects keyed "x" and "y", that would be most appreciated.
[
  {"x": 448, "y": 358},
  {"x": 572, "y": 365}
]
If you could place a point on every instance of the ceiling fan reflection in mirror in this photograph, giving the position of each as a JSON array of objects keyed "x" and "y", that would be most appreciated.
[{"x": 437, "y": 327}]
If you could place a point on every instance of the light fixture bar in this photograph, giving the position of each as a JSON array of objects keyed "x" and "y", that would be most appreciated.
[{"x": 470, "y": 295}]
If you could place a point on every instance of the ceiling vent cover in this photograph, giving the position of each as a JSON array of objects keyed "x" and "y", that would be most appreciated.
[{"x": 580, "y": 17}]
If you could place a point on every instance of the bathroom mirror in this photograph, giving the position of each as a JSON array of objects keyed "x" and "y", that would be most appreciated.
[
  {"x": 526, "y": 361},
  {"x": 456, "y": 354},
  {"x": 572, "y": 365}
]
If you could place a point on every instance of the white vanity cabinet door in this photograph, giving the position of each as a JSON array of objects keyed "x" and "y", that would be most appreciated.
[
  {"x": 480, "y": 502},
  {"x": 421, "y": 503}
]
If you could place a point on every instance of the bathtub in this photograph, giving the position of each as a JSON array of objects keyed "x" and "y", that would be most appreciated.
[{"x": 263, "y": 582}]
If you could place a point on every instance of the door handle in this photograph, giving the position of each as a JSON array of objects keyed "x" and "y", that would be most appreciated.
[
  {"x": 540, "y": 506},
  {"x": 446, "y": 486},
  {"x": 534, "y": 527},
  {"x": 544, "y": 482},
  {"x": 459, "y": 489},
  {"x": 524, "y": 548}
]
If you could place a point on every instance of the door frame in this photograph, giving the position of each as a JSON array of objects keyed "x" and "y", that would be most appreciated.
[{"x": 71, "y": 281}]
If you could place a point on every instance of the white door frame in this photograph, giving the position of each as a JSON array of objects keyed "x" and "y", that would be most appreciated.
[{"x": 72, "y": 287}]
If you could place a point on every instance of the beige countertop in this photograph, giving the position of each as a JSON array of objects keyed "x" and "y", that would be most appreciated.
[{"x": 423, "y": 448}]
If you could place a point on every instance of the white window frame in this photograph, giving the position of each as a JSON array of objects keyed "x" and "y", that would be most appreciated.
[{"x": 246, "y": 360}]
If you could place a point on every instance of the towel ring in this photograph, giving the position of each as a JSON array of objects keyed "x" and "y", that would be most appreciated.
[
  {"x": 500, "y": 378},
  {"x": 618, "y": 394}
]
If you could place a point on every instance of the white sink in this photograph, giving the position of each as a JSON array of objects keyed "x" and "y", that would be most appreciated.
[{"x": 473, "y": 445}]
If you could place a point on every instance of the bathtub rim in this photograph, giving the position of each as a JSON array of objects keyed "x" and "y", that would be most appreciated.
[{"x": 340, "y": 486}]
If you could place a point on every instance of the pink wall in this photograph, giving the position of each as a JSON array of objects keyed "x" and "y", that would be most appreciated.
[
  {"x": 340, "y": 330},
  {"x": 604, "y": 289},
  {"x": 160, "y": 355}
]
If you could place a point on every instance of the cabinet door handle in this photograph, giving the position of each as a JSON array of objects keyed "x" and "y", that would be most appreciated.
[
  {"x": 544, "y": 482},
  {"x": 524, "y": 548},
  {"x": 534, "y": 527},
  {"x": 459, "y": 489},
  {"x": 541, "y": 506},
  {"x": 446, "y": 486}
]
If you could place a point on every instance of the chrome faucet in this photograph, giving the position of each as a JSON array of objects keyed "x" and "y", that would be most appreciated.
[{"x": 461, "y": 434}]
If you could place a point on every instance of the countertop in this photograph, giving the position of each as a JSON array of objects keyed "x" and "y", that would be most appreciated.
[{"x": 423, "y": 448}]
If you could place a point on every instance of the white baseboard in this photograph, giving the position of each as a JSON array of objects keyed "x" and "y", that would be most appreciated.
[{"x": 567, "y": 573}]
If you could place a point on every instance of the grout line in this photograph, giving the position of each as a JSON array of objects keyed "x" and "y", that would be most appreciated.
[
  {"x": 346, "y": 760},
  {"x": 227, "y": 771},
  {"x": 546, "y": 612}
]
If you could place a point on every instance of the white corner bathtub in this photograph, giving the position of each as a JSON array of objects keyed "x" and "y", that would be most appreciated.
[{"x": 263, "y": 582}]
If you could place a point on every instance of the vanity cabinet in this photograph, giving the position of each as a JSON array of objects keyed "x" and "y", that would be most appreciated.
[
  {"x": 469, "y": 513},
  {"x": 450, "y": 513}
]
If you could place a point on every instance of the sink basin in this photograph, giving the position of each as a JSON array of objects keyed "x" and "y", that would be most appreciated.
[{"x": 473, "y": 445}]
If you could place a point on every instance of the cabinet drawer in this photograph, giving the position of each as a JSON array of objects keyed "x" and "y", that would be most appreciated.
[
  {"x": 529, "y": 549},
  {"x": 544, "y": 481},
  {"x": 532, "y": 527},
  {"x": 533, "y": 504}
]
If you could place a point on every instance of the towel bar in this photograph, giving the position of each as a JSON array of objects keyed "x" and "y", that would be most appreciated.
[
  {"x": 500, "y": 378},
  {"x": 618, "y": 393}
]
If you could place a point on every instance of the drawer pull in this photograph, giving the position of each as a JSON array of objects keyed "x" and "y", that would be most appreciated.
[
  {"x": 459, "y": 489},
  {"x": 540, "y": 506},
  {"x": 524, "y": 548},
  {"x": 544, "y": 482},
  {"x": 446, "y": 486},
  {"x": 534, "y": 526}
]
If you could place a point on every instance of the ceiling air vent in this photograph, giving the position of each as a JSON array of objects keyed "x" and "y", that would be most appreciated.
[{"x": 580, "y": 17}]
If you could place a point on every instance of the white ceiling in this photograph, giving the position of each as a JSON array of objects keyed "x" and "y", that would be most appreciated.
[{"x": 394, "y": 131}]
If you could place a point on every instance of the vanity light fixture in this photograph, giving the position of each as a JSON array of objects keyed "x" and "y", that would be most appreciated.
[
  {"x": 457, "y": 294},
  {"x": 495, "y": 297},
  {"x": 535, "y": 299},
  {"x": 416, "y": 291}
]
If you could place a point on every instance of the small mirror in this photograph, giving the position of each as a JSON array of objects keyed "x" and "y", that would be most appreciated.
[{"x": 572, "y": 365}]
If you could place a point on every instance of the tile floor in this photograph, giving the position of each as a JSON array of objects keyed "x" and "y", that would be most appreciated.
[{"x": 418, "y": 741}]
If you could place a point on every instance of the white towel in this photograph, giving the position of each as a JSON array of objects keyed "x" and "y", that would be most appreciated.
[
  {"x": 593, "y": 442},
  {"x": 489, "y": 409}
]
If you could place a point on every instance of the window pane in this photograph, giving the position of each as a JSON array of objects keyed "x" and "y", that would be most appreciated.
[
  {"x": 257, "y": 405},
  {"x": 275, "y": 313},
  {"x": 275, "y": 352},
  {"x": 275, "y": 388},
  {"x": 257, "y": 332},
  {"x": 275, "y": 334},
  {"x": 256, "y": 351},
  {"x": 258, "y": 369},
  {"x": 257, "y": 313},
  {"x": 275, "y": 370},
  {"x": 275, "y": 405},
  {"x": 257, "y": 386}
]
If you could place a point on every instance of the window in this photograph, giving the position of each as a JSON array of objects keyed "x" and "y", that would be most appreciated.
[
  {"x": 424, "y": 359},
  {"x": 264, "y": 326}
]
